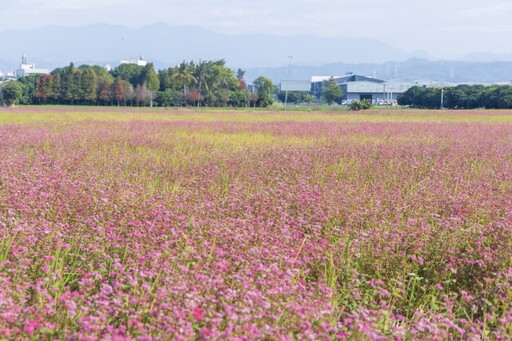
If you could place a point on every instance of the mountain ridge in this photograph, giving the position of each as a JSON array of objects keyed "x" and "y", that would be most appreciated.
[
  {"x": 259, "y": 54},
  {"x": 159, "y": 41}
]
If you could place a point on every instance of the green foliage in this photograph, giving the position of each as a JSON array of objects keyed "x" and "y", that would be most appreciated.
[
  {"x": 128, "y": 72},
  {"x": 28, "y": 96},
  {"x": 149, "y": 78},
  {"x": 331, "y": 91},
  {"x": 240, "y": 98},
  {"x": 460, "y": 97},
  {"x": 169, "y": 98},
  {"x": 205, "y": 83},
  {"x": 12, "y": 93},
  {"x": 179, "y": 77},
  {"x": 296, "y": 97},
  {"x": 363, "y": 104},
  {"x": 265, "y": 90},
  {"x": 43, "y": 89},
  {"x": 105, "y": 90},
  {"x": 88, "y": 85}
]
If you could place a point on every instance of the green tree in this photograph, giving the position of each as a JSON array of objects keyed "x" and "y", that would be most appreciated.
[
  {"x": 504, "y": 94},
  {"x": 222, "y": 83},
  {"x": 168, "y": 98},
  {"x": 105, "y": 85},
  {"x": 239, "y": 98},
  {"x": 70, "y": 87},
  {"x": 104, "y": 92},
  {"x": 489, "y": 98},
  {"x": 240, "y": 74},
  {"x": 43, "y": 88},
  {"x": 464, "y": 96},
  {"x": 422, "y": 97},
  {"x": 296, "y": 97},
  {"x": 331, "y": 91},
  {"x": 184, "y": 76},
  {"x": 12, "y": 93},
  {"x": 202, "y": 74},
  {"x": 128, "y": 72},
  {"x": 55, "y": 86},
  {"x": 88, "y": 81},
  {"x": 29, "y": 89},
  {"x": 148, "y": 79},
  {"x": 265, "y": 90}
]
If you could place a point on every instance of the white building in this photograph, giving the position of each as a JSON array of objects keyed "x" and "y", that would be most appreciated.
[
  {"x": 140, "y": 62},
  {"x": 29, "y": 69}
]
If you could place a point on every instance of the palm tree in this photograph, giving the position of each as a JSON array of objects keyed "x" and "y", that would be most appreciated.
[
  {"x": 183, "y": 75},
  {"x": 202, "y": 72}
]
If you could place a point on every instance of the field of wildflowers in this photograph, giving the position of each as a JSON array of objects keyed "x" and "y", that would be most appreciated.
[{"x": 205, "y": 225}]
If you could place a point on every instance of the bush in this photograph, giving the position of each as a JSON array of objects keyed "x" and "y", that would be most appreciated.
[
  {"x": 363, "y": 104},
  {"x": 12, "y": 93}
]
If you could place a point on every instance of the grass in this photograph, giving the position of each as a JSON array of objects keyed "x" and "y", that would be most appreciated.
[{"x": 31, "y": 114}]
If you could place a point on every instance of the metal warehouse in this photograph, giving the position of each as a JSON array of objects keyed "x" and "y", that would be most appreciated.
[{"x": 357, "y": 87}]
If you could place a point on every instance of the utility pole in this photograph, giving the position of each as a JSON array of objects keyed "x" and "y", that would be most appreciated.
[
  {"x": 287, "y": 79},
  {"x": 442, "y": 98}
]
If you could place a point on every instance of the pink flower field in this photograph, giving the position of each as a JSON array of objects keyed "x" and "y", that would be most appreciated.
[{"x": 237, "y": 225}]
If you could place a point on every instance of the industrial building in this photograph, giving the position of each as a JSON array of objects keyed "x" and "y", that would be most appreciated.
[
  {"x": 27, "y": 69},
  {"x": 357, "y": 87},
  {"x": 292, "y": 85},
  {"x": 140, "y": 62}
]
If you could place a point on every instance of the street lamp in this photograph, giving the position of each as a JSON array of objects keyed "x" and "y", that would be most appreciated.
[{"x": 287, "y": 79}]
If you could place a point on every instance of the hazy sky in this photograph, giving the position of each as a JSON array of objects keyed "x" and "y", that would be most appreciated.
[{"x": 443, "y": 28}]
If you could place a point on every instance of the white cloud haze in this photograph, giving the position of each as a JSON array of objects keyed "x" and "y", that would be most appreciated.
[{"x": 443, "y": 28}]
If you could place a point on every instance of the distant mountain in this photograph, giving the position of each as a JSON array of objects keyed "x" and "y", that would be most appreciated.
[
  {"x": 487, "y": 57},
  {"x": 267, "y": 55},
  {"x": 409, "y": 70},
  {"x": 53, "y": 46}
]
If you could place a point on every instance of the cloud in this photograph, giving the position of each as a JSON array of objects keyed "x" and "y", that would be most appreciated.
[
  {"x": 492, "y": 10},
  {"x": 74, "y": 4}
]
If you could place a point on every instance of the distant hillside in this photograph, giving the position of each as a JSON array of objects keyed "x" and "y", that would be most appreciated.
[
  {"x": 267, "y": 55},
  {"x": 412, "y": 69},
  {"x": 54, "y": 46}
]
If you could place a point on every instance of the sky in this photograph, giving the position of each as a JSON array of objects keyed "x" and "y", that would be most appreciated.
[{"x": 445, "y": 29}]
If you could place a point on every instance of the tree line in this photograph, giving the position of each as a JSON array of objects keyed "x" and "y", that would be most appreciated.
[
  {"x": 203, "y": 83},
  {"x": 459, "y": 97}
]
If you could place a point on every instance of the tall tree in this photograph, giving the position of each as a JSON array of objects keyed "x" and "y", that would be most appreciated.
[
  {"x": 55, "y": 93},
  {"x": 29, "y": 89},
  {"x": 121, "y": 91},
  {"x": 331, "y": 91},
  {"x": 43, "y": 88},
  {"x": 88, "y": 85},
  {"x": 104, "y": 93},
  {"x": 240, "y": 74},
  {"x": 143, "y": 96},
  {"x": 183, "y": 75},
  {"x": 70, "y": 84},
  {"x": 202, "y": 70},
  {"x": 265, "y": 91},
  {"x": 105, "y": 87},
  {"x": 149, "y": 80}
]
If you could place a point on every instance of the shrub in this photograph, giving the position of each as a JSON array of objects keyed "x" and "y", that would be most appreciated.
[{"x": 363, "y": 104}]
